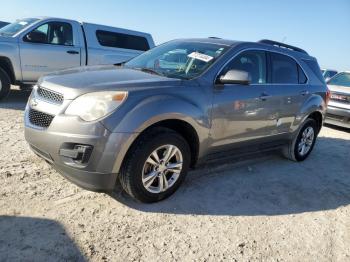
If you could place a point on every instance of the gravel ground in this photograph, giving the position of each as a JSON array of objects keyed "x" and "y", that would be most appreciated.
[{"x": 264, "y": 208}]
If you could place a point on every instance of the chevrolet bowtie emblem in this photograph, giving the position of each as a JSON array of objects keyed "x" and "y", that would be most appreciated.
[{"x": 33, "y": 102}]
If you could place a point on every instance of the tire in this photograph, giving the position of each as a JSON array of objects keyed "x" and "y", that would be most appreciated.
[
  {"x": 136, "y": 169},
  {"x": 295, "y": 153},
  {"x": 5, "y": 84}
]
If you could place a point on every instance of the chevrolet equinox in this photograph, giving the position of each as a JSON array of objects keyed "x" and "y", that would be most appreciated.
[{"x": 185, "y": 102}]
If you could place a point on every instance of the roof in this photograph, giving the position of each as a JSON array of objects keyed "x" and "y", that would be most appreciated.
[
  {"x": 266, "y": 43},
  {"x": 212, "y": 40}
]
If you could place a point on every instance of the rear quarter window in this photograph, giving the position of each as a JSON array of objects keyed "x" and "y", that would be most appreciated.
[
  {"x": 120, "y": 40},
  {"x": 315, "y": 68}
]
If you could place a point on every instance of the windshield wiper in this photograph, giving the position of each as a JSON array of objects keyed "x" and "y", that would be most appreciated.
[{"x": 149, "y": 70}]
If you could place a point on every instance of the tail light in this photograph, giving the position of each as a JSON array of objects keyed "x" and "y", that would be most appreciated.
[{"x": 328, "y": 96}]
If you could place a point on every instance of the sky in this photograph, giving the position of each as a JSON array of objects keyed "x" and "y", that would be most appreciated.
[{"x": 320, "y": 27}]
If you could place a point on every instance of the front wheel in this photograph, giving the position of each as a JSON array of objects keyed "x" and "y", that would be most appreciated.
[
  {"x": 156, "y": 165},
  {"x": 302, "y": 144},
  {"x": 5, "y": 84}
]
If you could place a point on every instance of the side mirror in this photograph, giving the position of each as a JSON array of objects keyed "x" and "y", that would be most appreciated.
[
  {"x": 235, "y": 77},
  {"x": 35, "y": 37}
]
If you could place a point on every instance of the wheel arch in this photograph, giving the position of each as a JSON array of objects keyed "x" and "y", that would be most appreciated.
[
  {"x": 169, "y": 112},
  {"x": 6, "y": 65},
  {"x": 315, "y": 108}
]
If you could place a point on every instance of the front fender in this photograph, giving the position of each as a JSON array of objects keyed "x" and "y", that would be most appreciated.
[
  {"x": 157, "y": 108},
  {"x": 152, "y": 110},
  {"x": 10, "y": 52}
]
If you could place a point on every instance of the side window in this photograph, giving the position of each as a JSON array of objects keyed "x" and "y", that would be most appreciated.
[
  {"x": 313, "y": 65},
  {"x": 284, "y": 69},
  {"x": 341, "y": 79},
  {"x": 54, "y": 33},
  {"x": 253, "y": 62},
  {"x": 119, "y": 40},
  {"x": 332, "y": 73}
]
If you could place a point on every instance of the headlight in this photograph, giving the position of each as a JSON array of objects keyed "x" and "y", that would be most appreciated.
[{"x": 92, "y": 106}]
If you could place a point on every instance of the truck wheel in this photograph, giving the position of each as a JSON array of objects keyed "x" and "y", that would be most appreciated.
[
  {"x": 5, "y": 84},
  {"x": 156, "y": 165},
  {"x": 303, "y": 142}
]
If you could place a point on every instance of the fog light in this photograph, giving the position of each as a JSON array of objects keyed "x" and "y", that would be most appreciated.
[{"x": 78, "y": 153}]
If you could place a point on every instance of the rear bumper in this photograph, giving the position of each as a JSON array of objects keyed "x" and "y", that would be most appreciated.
[{"x": 338, "y": 116}]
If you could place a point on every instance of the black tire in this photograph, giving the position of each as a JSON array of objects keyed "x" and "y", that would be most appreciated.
[
  {"x": 131, "y": 171},
  {"x": 5, "y": 84},
  {"x": 291, "y": 150}
]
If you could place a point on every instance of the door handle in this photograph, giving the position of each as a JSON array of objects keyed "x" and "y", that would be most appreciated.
[
  {"x": 304, "y": 92},
  {"x": 72, "y": 52},
  {"x": 264, "y": 96}
]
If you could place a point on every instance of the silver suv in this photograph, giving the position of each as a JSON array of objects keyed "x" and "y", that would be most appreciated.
[{"x": 146, "y": 122}]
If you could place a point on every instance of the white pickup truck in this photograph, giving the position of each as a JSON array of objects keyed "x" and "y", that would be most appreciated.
[{"x": 32, "y": 47}]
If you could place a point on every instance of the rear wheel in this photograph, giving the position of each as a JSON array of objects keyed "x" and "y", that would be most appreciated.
[
  {"x": 5, "y": 84},
  {"x": 302, "y": 144},
  {"x": 156, "y": 165}
]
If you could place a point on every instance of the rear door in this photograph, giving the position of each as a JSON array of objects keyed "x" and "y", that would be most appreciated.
[
  {"x": 287, "y": 92},
  {"x": 49, "y": 47}
]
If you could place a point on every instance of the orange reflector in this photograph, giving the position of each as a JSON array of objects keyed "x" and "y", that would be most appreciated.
[{"x": 119, "y": 97}]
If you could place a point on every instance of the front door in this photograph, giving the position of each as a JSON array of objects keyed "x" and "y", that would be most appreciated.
[
  {"x": 49, "y": 47},
  {"x": 240, "y": 112}
]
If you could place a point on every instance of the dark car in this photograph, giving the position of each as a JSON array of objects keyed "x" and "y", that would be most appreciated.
[{"x": 2, "y": 24}]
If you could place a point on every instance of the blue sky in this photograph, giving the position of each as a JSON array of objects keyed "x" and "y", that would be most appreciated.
[{"x": 320, "y": 27}]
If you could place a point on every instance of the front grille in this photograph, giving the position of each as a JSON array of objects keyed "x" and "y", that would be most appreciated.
[
  {"x": 38, "y": 118},
  {"x": 340, "y": 98},
  {"x": 50, "y": 96}
]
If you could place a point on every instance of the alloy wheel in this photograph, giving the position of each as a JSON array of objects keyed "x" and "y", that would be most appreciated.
[
  {"x": 306, "y": 141},
  {"x": 162, "y": 169}
]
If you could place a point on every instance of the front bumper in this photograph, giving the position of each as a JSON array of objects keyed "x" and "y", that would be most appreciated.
[
  {"x": 338, "y": 116},
  {"x": 99, "y": 173}
]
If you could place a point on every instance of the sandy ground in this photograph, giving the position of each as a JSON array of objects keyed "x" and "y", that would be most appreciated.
[{"x": 261, "y": 209}]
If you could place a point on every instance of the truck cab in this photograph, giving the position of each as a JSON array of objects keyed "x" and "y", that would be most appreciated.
[{"x": 32, "y": 47}]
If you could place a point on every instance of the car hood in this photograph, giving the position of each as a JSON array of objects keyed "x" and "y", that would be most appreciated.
[
  {"x": 339, "y": 89},
  {"x": 7, "y": 39},
  {"x": 78, "y": 81}
]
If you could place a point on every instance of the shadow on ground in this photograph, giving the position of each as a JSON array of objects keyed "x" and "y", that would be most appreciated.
[
  {"x": 34, "y": 239},
  {"x": 339, "y": 128},
  {"x": 17, "y": 99},
  {"x": 268, "y": 185}
]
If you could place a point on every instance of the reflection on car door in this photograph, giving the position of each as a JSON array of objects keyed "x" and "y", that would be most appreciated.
[
  {"x": 288, "y": 92},
  {"x": 240, "y": 112}
]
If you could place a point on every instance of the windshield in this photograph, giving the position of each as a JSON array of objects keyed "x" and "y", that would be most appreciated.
[
  {"x": 17, "y": 26},
  {"x": 341, "y": 79},
  {"x": 178, "y": 59}
]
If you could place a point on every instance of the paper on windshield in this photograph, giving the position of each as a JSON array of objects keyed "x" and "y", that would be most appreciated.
[
  {"x": 23, "y": 23},
  {"x": 202, "y": 57}
]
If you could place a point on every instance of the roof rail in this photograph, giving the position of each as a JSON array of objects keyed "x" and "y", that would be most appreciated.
[
  {"x": 282, "y": 45},
  {"x": 214, "y": 37}
]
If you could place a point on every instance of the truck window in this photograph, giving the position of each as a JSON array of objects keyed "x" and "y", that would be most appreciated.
[
  {"x": 119, "y": 40},
  {"x": 54, "y": 33}
]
